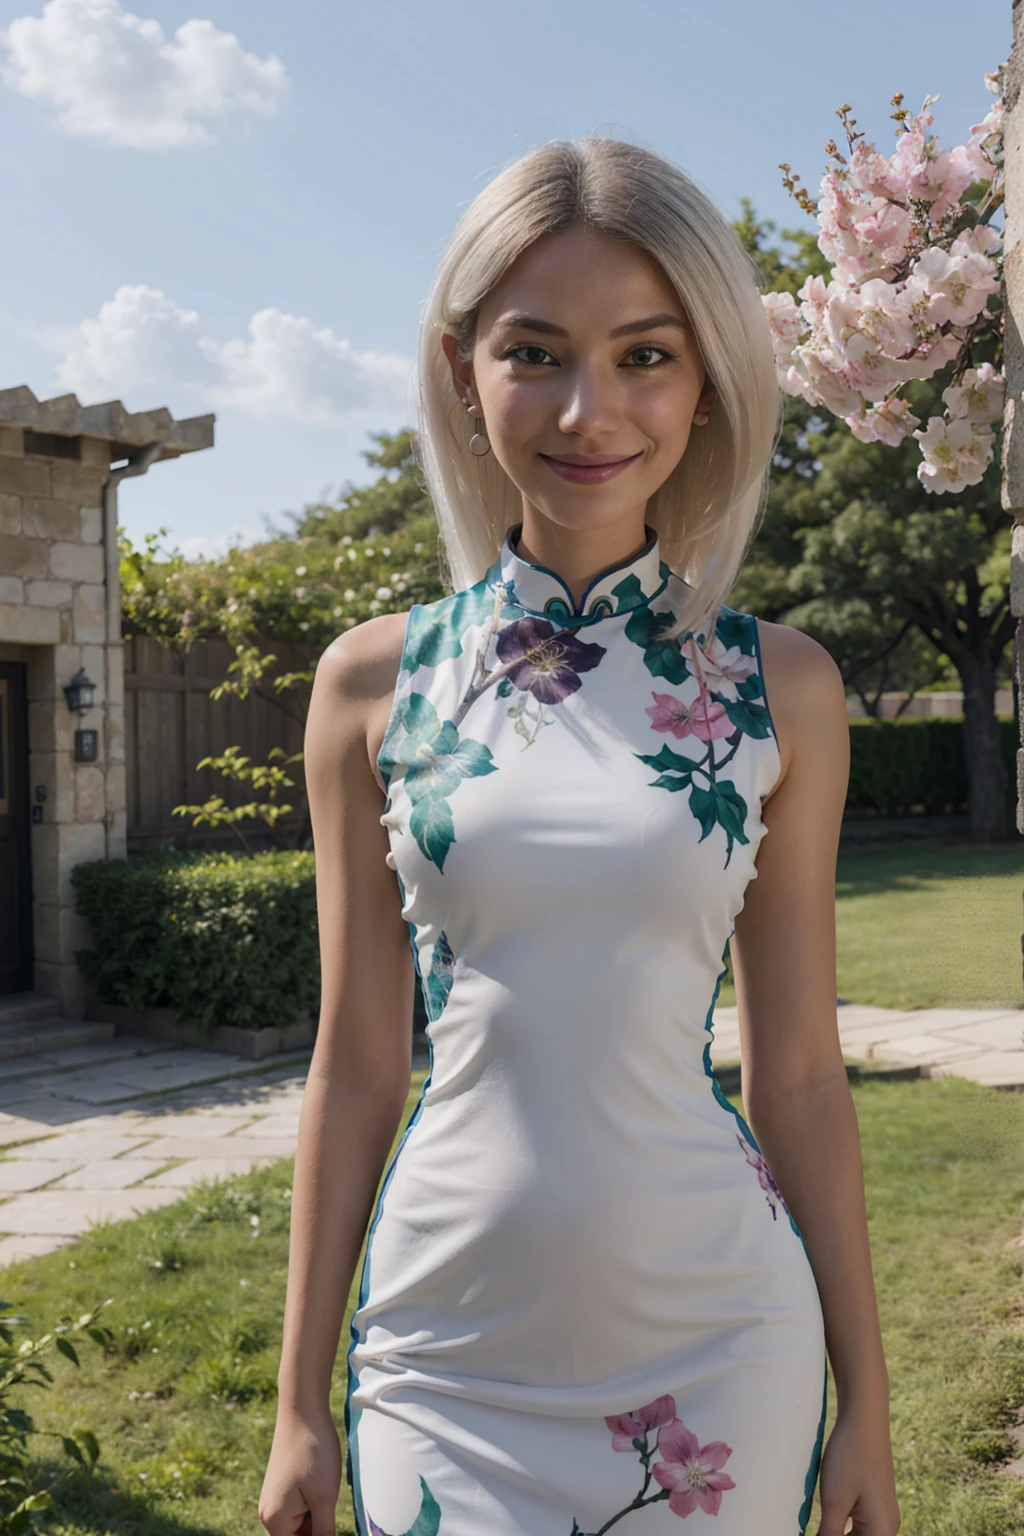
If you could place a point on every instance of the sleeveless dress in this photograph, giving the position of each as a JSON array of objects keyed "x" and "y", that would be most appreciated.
[{"x": 584, "y": 1305}]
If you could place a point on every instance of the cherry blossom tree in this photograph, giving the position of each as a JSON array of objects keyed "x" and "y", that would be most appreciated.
[{"x": 914, "y": 289}]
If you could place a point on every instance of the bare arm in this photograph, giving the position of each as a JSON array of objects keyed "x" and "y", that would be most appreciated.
[
  {"x": 359, "y": 1075},
  {"x": 795, "y": 1087}
]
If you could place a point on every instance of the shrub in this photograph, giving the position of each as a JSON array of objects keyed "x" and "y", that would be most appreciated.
[
  {"x": 899, "y": 766},
  {"x": 218, "y": 938},
  {"x": 24, "y": 1365}
]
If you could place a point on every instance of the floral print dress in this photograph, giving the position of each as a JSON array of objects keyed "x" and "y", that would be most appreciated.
[{"x": 584, "y": 1304}]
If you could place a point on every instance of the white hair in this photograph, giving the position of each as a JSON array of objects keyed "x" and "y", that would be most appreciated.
[{"x": 708, "y": 510}]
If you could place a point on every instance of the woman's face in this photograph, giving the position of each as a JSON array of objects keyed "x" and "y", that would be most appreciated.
[{"x": 588, "y": 375}]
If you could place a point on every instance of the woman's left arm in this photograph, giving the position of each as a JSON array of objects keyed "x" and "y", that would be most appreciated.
[{"x": 795, "y": 1090}]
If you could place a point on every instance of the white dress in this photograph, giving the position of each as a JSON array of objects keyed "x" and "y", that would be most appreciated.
[{"x": 584, "y": 1304}]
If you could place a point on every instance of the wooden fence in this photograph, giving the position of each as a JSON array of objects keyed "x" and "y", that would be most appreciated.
[{"x": 171, "y": 723}]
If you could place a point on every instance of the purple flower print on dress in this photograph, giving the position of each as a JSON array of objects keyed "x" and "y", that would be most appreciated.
[
  {"x": 630, "y": 1428},
  {"x": 545, "y": 662},
  {"x": 691, "y": 1472},
  {"x": 765, "y": 1177},
  {"x": 705, "y": 718}
]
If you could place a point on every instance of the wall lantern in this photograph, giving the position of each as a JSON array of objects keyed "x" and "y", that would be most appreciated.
[{"x": 80, "y": 693}]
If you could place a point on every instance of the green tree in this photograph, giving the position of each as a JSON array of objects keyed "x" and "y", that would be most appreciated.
[{"x": 889, "y": 578}]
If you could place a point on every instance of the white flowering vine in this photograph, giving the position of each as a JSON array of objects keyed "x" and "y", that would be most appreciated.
[{"x": 914, "y": 288}]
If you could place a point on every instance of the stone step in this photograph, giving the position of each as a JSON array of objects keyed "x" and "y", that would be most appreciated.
[
  {"x": 18, "y": 1007},
  {"x": 23, "y": 1040}
]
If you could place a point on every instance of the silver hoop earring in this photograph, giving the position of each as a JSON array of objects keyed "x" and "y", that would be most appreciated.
[{"x": 479, "y": 443}]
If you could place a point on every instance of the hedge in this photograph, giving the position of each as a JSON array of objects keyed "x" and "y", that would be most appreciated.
[
  {"x": 218, "y": 938},
  {"x": 901, "y": 766}
]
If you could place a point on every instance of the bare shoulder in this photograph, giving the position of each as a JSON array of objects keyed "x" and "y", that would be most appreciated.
[
  {"x": 363, "y": 661},
  {"x": 807, "y": 700},
  {"x": 355, "y": 683}
]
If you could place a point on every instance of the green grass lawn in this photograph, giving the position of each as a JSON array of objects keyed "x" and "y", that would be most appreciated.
[
  {"x": 184, "y": 1408},
  {"x": 919, "y": 925}
]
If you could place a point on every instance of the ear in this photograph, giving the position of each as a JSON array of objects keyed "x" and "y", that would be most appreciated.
[
  {"x": 708, "y": 396},
  {"x": 462, "y": 370}
]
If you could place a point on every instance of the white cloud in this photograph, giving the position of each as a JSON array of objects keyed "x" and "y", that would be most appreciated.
[
  {"x": 139, "y": 338},
  {"x": 284, "y": 369},
  {"x": 287, "y": 368},
  {"x": 114, "y": 76}
]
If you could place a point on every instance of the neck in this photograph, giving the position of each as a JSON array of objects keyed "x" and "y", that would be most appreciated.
[{"x": 577, "y": 555}]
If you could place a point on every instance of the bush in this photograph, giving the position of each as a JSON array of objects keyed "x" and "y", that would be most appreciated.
[
  {"x": 24, "y": 1365},
  {"x": 900, "y": 766},
  {"x": 218, "y": 938}
]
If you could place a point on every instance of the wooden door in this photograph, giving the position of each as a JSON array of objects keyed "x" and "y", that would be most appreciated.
[{"x": 15, "y": 866}]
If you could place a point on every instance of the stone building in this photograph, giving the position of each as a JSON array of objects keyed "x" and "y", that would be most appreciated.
[{"x": 62, "y": 760}]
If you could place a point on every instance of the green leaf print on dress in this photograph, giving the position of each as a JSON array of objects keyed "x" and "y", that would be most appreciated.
[
  {"x": 438, "y": 981},
  {"x": 427, "y": 1522},
  {"x": 726, "y": 708},
  {"x": 436, "y": 762},
  {"x": 436, "y": 630}
]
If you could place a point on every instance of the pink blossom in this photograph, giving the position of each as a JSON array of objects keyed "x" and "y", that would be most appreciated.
[
  {"x": 954, "y": 453},
  {"x": 691, "y": 1471},
  {"x": 765, "y": 1177},
  {"x": 722, "y": 667},
  {"x": 627, "y": 1427},
  {"x": 984, "y": 148},
  {"x": 957, "y": 282},
  {"x": 812, "y": 375},
  {"x": 978, "y": 397},
  {"x": 813, "y": 295},
  {"x": 705, "y": 718},
  {"x": 785, "y": 323},
  {"x": 889, "y": 422}
]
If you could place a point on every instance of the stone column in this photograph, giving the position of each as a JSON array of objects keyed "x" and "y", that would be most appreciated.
[{"x": 60, "y": 611}]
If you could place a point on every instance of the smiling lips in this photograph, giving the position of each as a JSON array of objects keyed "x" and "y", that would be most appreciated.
[{"x": 586, "y": 471}]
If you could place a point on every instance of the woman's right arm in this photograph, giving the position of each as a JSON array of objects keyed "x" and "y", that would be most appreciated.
[{"x": 359, "y": 1075}]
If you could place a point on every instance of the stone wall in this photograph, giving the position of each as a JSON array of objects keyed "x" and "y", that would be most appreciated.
[
  {"x": 60, "y": 610},
  {"x": 53, "y": 614}
]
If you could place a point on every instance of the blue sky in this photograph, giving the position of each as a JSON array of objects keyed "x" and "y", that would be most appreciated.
[{"x": 238, "y": 206}]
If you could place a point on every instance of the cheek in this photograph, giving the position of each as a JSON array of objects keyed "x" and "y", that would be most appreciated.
[
  {"x": 516, "y": 413},
  {"x": 666, "y": 416}
]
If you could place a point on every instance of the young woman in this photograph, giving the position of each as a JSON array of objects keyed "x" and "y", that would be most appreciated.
[{"x": 594, "y": 1295}]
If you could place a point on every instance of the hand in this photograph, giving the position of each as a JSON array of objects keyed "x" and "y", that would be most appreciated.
[
  {"x": 858, "y": 1485},
  {"x": 303, "y": 1476}
]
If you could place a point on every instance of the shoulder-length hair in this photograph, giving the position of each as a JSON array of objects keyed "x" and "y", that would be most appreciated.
[{"x": 708, "y": 510}]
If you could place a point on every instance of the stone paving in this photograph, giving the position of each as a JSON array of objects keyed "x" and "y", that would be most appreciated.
[{"x": 103, "y": 1132}]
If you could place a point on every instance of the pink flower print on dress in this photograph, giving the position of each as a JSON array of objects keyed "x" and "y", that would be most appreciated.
[
  {"x": 691, "y": 1472},
  {"x": 720, "y": 666},
  {"x": 628, "y": 1428},
  {"x": 765, "y": 1177},
  {"x": 705, "y": 718}
]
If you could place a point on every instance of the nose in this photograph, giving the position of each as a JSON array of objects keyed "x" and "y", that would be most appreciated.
[{"x": 590, "y": 407}]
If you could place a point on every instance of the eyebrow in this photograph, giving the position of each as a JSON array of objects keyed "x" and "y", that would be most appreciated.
[{"x": 516, "y": 321}]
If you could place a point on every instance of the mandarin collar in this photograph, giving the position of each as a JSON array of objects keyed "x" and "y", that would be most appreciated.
[{"x": 619, "y": 588}]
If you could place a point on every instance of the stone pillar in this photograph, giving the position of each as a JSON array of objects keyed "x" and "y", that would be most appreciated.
[{"x": 60, "y": 611}]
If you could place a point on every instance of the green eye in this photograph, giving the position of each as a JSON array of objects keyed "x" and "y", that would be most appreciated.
[
  {"x": 652, "y": 354},
  {"x": 540, "y": 353}
]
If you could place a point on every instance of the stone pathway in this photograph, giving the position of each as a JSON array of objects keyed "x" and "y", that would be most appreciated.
[
  {"x": 102, "y": 1132},
  {"x": 986, "y": 1044}
]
